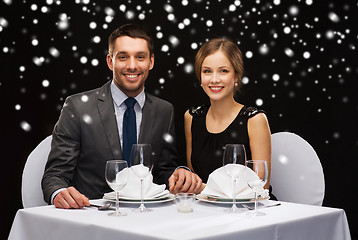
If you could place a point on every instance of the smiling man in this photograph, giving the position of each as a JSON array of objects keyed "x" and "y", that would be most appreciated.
[
  {"x": 131, "y": 60},
  {"x": 92, "y": 128}
]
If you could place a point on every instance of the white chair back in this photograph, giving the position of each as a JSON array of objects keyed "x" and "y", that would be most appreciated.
[
  {"x": 32, "y": 175},
  {"x": 296, "y": 171}
]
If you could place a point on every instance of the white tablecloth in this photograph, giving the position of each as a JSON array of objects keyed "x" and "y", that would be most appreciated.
[{"x": 208, "y": 221}]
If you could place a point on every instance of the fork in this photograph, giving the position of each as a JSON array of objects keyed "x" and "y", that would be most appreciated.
[{"x": 251, "y": 208}]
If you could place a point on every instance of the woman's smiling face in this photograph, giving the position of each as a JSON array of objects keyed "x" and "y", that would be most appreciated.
[{"x": 217, "y": 76}]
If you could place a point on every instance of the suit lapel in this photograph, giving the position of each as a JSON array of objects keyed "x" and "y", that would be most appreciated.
[
  {"x": 106, "y": 110},
  {"x": 148, "y": 119}
]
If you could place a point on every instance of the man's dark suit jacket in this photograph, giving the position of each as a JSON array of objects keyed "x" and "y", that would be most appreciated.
[{"x": 86, "y": 136}]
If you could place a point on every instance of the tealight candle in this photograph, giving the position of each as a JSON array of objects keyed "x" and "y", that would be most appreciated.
[{"x": 185, "y": 202}]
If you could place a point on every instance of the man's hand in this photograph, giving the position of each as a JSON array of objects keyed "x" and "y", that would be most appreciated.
[
  {"x": 70, "y": 198},
  {"x": 183, "y": 180}
]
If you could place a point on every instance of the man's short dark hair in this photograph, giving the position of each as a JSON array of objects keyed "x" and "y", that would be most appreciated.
[{"x": 133, "y": 31}]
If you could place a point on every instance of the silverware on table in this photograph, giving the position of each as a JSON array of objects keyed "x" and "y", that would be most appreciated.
[
  {"x": 259, "y": 207},
  {"x": 102, "y": 208}
]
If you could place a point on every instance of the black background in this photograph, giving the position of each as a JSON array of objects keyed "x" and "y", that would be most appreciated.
[{"x": 300, "y": 67}]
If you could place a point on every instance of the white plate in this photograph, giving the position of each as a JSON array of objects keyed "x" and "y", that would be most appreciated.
[
  {"x": 166, "y": 198},
  {"x": 111, "y": 196},
  {"x": 220, "y": 200}
]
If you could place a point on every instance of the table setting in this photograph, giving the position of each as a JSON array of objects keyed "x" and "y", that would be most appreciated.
[
  {"x": 219, "y": 188},
  {"x": 233, "y": 183},
  {"x": 131, "y": 193},
  {"x": 134, "y": 184}
]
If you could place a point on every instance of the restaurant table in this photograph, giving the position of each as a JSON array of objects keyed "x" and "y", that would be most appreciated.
[{"x": 207, "y": 221}]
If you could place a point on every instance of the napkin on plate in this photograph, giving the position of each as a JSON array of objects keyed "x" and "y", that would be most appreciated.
[
  {"x": 220, "y": 183},
  {"x": 133, "y": 187}
]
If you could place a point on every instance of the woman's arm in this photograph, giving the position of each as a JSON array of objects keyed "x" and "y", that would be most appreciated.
[
  {"x": 187, "y": 130},
  {"x": 260, "y": 141}
]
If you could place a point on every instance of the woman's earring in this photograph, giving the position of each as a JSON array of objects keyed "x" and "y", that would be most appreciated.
[{"x": 236, "y": 84}]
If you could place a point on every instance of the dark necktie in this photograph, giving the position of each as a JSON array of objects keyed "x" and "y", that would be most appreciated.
[{"x": 129, "y": 128}]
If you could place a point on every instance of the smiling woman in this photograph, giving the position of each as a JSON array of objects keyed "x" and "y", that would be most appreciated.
[
  {"x": 218, "y": 76},
  {"x": 208, "y": 129}
]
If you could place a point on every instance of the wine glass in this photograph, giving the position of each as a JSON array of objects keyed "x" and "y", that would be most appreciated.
[
  {"x": 141, "y": 164},
  {"x": 234, "y": 160},
  {"x": 116, "y": 177},
  {"x": 260, "y": 168}
]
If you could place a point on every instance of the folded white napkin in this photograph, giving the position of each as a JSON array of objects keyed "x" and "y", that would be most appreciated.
[
  {"x": 220, "y": 183},
  {"x": 132, "y": 188}
]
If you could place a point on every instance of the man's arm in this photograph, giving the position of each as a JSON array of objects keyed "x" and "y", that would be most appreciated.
[
  {"x": 182, "y": 179},
  {"x": 70, "y": 198},
  {"x": 62, "y": 160}
]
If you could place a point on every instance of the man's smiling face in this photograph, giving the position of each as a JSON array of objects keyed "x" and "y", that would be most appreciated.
[{"x": 130, "y": 63}]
